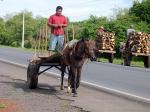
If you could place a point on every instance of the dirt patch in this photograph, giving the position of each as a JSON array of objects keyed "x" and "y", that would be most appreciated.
[{"x": 9, "y": 106}]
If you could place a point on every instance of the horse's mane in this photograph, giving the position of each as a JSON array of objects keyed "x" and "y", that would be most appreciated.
[
  {"x": 74, "y": 49},
  {"x": 79, "y": 49}
]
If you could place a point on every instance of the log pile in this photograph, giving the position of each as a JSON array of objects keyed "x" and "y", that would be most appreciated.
[
  {"x": 105, "y": 41},
  {"x": 139, "y": 42}
]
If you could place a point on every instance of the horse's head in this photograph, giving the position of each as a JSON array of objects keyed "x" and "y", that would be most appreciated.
[
  {"x": 86, "y": 47},
  {"x": 90, "y": 49}
]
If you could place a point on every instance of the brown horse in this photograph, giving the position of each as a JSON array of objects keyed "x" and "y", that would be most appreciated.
[{"x": 73, "y": 58}]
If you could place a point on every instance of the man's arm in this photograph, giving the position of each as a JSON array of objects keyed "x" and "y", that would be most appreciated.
[
  {"x": 50, "y": 22},
  {"x": 63, "y": 25}
]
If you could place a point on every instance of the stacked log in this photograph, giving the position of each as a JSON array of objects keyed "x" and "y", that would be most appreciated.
[
  {"x": 139, "y": 42},
  {"x": 105, "y": 41}
]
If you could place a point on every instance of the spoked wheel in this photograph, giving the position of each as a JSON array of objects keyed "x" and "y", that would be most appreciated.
[
  {"x": 32, "y": 75},
  {"x": 111, "y": 58},
  {"x": 147, "y": 62}
]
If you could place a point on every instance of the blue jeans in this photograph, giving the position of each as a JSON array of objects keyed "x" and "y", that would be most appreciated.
[{"x": 56, "y": 43}]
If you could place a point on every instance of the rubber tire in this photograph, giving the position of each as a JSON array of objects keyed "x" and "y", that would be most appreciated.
[
  {"x": 32, "y": 76},
  {"x": 111, "y": 58},
  {"x": 147, "y": 62}
]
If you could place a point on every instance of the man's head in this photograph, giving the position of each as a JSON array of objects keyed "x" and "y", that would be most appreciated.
[
  {"x": 102, "y": 27},
  {"x": 131, "y": 26},
  {"x": 59, "y": 10}
]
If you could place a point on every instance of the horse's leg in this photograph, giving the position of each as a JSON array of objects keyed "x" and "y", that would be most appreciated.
[
  {"x": 63, "y": 68},
  {"x": 69, "y": 81},
  {"x": 74, "y": 71},
  {"x": 78, "y": 77}
]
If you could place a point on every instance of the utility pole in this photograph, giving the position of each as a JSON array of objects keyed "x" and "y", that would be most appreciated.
[{"x": 23, "y": 31}]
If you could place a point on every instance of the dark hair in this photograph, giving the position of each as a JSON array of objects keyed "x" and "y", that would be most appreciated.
[{"x": 59, "y": 8}]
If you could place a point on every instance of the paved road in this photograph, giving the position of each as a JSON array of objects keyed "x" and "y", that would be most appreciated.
[
  {"x": 13, "y": 89},
  {"x": 132, "y": 80},
  {"x": 49, "y": 98}
]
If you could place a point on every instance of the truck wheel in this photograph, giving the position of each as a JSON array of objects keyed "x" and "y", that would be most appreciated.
[
  {"x": 147, "y": 62},
  {"x": 111, "y": 58}
]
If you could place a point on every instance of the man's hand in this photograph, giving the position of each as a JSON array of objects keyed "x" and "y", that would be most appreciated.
[
  {"x": 55, "y": 25},
  {"x": 62, "y": 25},
  {"x": 58, "y": 25}
]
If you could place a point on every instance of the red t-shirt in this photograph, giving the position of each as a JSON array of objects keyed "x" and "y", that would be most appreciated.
[{"x": 55, "y": 19}]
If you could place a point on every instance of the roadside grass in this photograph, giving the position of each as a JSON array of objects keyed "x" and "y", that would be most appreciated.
[
  {"x": 19, "y": 48},
  {"x": 134, "y": 62},
  {"x": 2, "y": 106}
]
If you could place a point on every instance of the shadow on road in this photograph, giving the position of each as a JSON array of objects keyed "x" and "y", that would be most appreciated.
[
  {"x": 21, "y": 84},
  {"x": 42, "y": 88}
]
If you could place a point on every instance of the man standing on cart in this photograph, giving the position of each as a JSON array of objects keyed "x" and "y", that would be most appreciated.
[
  {"x": 129, "y": 30},
  {"x": 100, "y": 30},
  {"x": 57, "y": 22}
]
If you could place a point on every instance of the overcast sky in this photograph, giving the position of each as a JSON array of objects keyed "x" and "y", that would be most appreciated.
[{"x": 76, "y": 10}]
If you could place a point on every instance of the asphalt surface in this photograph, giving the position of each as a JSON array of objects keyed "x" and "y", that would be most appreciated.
[
  {"x": 131, "y": 80},
  {"x": 49, "y": 98}
]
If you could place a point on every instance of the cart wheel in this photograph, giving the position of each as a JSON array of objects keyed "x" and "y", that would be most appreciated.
[
  {"x": 32, "y": 76},
  {"x": 147, "y": 62},
  {"x": 111, "y": 58}
]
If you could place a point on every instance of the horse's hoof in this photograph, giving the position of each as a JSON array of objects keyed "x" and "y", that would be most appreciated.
[
  {"x": 69, "y": 90},
  {"x": 73, "y": 91},
  {"x": 61, "y": 88},
  {"x": 75, "y": 95}
]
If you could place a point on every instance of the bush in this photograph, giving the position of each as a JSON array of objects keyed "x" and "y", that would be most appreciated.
[
  {"x": 27, "y": 44},
  {"x": 15, "y": 44}
]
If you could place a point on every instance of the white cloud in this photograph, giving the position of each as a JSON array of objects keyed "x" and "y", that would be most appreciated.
[{"x": 75, "y": 10}]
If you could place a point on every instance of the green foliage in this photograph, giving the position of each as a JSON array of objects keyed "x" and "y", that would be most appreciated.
[
  {"x": 27, "y": 44},
  {"x": 141, "y": 10},
  {"x": 15, "y": 44},
  {"x": 138, "y": 15},
  {"x": 11, "y": 28}
]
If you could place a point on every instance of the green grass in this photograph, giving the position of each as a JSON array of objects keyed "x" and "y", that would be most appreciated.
[
  {"x": 19, "y": 48},
  {"x": 117, "y": 61},
  {"x": 2, "y": 106}
]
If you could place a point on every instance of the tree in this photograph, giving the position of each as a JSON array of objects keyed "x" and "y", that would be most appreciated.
[
  {"x": 141, "y": 10},
  {"x": 2, "y": 31},
  {"x": 11, "y": 28}
]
